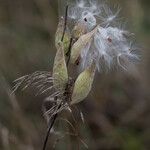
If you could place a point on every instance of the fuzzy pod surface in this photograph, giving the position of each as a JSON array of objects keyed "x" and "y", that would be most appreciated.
[
  {"x": 83, "y": 84},
  {"x": 59, "y": 33},
  {"x": 60, "y": 73}
]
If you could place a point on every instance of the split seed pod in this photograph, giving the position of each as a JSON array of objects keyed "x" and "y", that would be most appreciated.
[
  {"x": 59, "y": 34},
  {"x": 60, "y": 73},
  {"x": 80, "y": 44},
  {"x": 83, "y": 84},
  {"x": 78, "y": 30}
]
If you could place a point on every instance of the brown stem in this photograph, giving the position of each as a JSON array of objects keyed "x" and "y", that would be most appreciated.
[
  {"x": 65, "y": 24},
  {"x": 69, "y": 51},
  {"x": 52, "y": 121}
]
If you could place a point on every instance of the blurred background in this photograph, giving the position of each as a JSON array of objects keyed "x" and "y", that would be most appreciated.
[{"x": 117, "y": 111}]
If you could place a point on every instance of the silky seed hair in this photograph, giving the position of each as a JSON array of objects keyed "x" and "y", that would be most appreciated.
[{"x": 111, "y": 45}]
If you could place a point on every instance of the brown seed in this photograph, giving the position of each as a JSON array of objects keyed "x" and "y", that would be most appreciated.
[{"x": 109, "y": 39}]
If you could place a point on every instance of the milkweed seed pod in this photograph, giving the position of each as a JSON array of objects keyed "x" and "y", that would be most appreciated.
[
  {"x": 83, "y": 84},
  {"x": 112, "y": 46},
  {"x": 60, "y": 73},
  {"x": 84, "y": 13},
  {"x": 78, "y": 30},
  {"x": 80, "y": 44},
  {"x": 59, "y": 34}
]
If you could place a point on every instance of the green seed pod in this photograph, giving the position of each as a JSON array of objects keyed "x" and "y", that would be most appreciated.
[
  {"x": 59, "y": 34},
  {"x": 83, "y": 85},
  {"x": 60, "y": 73},
  {"x": 80, "y": 44}
]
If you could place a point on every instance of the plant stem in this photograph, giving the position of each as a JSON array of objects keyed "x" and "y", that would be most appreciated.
[
  {"x": 52, "y": 121},
  {"x": 65, "y": 24},
  {"x": 69, "y": 51}
]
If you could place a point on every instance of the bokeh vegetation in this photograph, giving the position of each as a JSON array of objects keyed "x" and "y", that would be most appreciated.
[{"x": 117, "y": 112}]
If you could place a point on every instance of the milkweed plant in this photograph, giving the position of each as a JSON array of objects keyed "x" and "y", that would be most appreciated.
[{"x": 89, "y": 40}]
